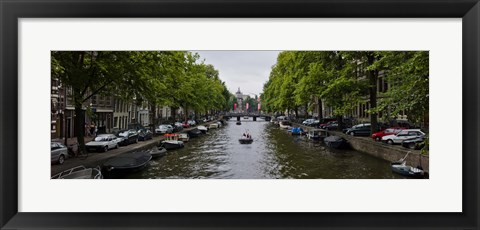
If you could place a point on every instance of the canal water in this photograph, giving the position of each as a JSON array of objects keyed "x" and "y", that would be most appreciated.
[{"x": 274, "y": 154}]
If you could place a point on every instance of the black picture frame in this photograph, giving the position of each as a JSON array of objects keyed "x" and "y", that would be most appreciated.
[{"x": 11, "y": 11}]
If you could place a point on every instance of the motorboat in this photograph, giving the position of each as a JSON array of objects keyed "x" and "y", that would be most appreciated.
[
  {"x": 285, "y": 124},
  {"x": 171, "y": 142},
  {"x": 202, "y": 129},
  {"x": 184, "y": 137},
  {"x": 245, "y": 140},
  {"x": 406, "y": 170},
  {"x": 239, "y": 123},
  {"x": 80, "y": 172},
  {"x": 194, "y": 132},
  {"x": 317, "y": 134},
  {"x": 402, "y": 168},
  {"x": 159, "y": 152},
  {"x": 214, "y": 126},
  {"x": 335, "y": 142},
  {"x": 296, "y": 131},
  {"x": 126, "y": 163}
]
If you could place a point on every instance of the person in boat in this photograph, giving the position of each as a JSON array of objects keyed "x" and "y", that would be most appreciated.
[{"x": 244, "y": 135}]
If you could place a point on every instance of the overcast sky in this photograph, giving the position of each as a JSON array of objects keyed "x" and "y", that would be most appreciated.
[{"x": 248, "y": 70}]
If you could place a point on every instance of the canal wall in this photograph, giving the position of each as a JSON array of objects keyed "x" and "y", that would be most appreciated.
[
  {"x": 96, "y": 159},
  {"x": 381, "y": 150},
  {"x": 385, "y": 151}
]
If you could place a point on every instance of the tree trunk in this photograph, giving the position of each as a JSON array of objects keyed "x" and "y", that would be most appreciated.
[
  {"x": 80, "y": 130},
  {"x": 373, "y": 79},
  {"x": 320, "y": 109},
  {"x": 152, "y": 117},
  {"x": 186, "y": 114},
  {"x": 173, "y": 112}
]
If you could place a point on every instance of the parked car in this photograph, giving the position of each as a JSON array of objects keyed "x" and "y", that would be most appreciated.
[
  {"x": 102, "y": 142},
  {"x": 403, "y": 135},
  {"x": 389, "y": 131},
  {"x": 177, "y": 127},
  {"x": 324, "y": 121},
  {"x": 163, "y": 129},
  {"x": 355, "y": 126},
  {"x": 359, "y": 130},
  {"x": 191, "y": 122},
  {"x": 308, "y": 122},
  {"x": 127, "y": 137},
  {"x": 185, "y": 125},
  {"x": 144, "y": 134},
  {"x": 331, "y": 125},
  {"x": 59, "y": 153},
  {"x": 414, "y": 143}
]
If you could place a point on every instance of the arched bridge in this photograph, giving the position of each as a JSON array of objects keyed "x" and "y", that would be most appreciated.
[{"x": 267, "y": 117}]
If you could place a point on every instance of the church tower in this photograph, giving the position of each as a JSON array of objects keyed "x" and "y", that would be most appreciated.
[{"x": 239, "y": 95}]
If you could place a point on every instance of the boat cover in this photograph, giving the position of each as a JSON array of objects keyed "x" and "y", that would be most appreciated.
[{"x": 128, "y": 160}]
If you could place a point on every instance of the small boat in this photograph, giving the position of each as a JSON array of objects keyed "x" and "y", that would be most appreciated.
[
  {"x": 219, "y": 123},
  {"x": 285, "y": 124},
  {"x": 317, "y": 134},
  {"x": 402, "y": 168},
  {"x": 171, "y": 142},
  {"x": 214, "y": 126},
  {"x": 80, "y": 172},
  {"x": 335, "y": 142},
  {"x": 406, "y": 170},
  {"x": 159, "y": 152},
  {"x": 184, "y": 137},
  {"x": 239, "y": 123},
  {"x": 194, "y": 132},
  {"x": 202, "y": 129},
  {"x": 245, "y": 140},
  {"x": 125, "y": 163},
  {"x": 296, "y": 131}
]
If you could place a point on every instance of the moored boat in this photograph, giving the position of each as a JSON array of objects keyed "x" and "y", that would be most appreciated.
[
  {"x": 335, "y": 142},
  {"x": 402, "y": 168},
  {"x": 194, "y": 133},
  {"x": 214, "y": 126},
  {"x": 317, "y": 134},
  {"x": 296, "y": 131},
  {"x": 80, "y": 172},
  {"x": 202, "y": 129},
  {"x": 285, "y": 124},
  {"x": 159, "y": 152},
  {"x": 406, "y": 170},
  {"x": 239, "y": 123},
  {"x": 171, "y": 142},
  {"x": 183, "y": 137},
  {"x": 125, "y": 163}
]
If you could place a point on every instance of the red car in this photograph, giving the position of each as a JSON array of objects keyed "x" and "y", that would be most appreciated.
[
  {"x": 389, "y": 131},
  {"x": 185, "y": 125}
]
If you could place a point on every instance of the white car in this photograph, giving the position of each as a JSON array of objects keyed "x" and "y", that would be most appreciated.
[
  {"x": 59, "y": 152},
  {"x": 102, "y": 142},
  {"x": 308, "y": 122},
  {"x": 191, "y": 122},
  {"x": 402, "y": 135},
  {"x": 162, "y": 129}
]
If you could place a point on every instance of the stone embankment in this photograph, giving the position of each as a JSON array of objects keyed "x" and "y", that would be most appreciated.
[
  {"x": 382, "y": 150},
  {"x": 95, "y": 159}
]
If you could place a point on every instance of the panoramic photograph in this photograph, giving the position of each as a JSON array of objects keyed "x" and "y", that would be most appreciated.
[{"x": 231, "y": 114}]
